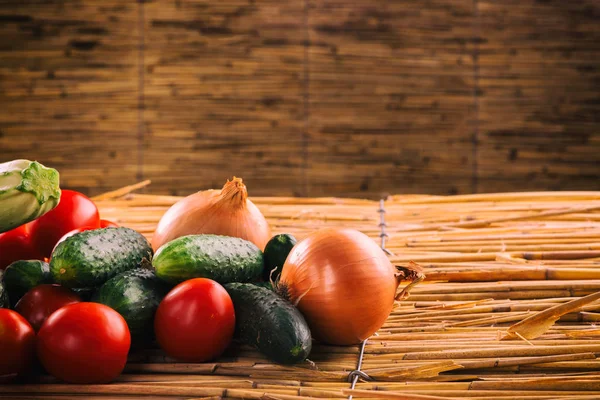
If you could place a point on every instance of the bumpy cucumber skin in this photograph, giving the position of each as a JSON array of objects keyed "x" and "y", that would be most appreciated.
[
  {"x": 90, "y": 258},
  {"x": 276, "y": 252},
  {"x": 134, "y": 294},
  {"x": 221, "y": 258},
  {"x": 21, "y": 276},
  {"x": 4, "y": 301},
  {"x": 266, "y": 285},
  {"x": 269, "y": 322}
]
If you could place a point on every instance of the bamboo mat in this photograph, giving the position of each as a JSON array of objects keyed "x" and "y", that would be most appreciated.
[{"x": 491, "y": 260}]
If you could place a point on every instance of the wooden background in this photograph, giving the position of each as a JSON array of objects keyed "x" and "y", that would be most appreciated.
[{"x": 308, "y": 97}]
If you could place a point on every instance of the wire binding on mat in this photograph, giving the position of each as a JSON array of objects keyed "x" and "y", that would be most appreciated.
[
  {"x": 357, "y": 374},
  {"x": 382, "y": 225}
]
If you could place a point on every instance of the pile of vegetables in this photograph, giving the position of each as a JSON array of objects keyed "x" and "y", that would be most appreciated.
[
  {"x": 35, "y": 213},
  {"x": 213, "y": 274}
]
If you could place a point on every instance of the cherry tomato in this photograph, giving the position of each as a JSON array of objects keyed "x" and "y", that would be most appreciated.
[
  {"x": 195, "y": 321},
  {"x": 74, "y": 210},
  {"x": 104, "y": 223},
  {"x": 16, "y": 245},
  {"x": 41, "y": 301},
  {"x": 84, "y": 343},
  {"x": 17, "y": 343}
]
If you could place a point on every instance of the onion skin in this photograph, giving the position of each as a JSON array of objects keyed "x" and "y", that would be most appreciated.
[
  {"x": 345, "y": 282},
  {"x": 226, "y": 212}
]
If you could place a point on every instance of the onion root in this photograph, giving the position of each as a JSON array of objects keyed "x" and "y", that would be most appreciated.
[{"x": 412, "y": 272}]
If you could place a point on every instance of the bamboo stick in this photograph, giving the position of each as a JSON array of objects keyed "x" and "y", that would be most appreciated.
[
  {"x": 122, "y": 191},
  {"x": 391, "y": 395},
  {"x": 498, "y": 197},
  {"x": 484, "y": 223},
  {"x": 509, "y": 362},
  {"x": 155, "y": 390},
  {"x": 101, "y": 397}
]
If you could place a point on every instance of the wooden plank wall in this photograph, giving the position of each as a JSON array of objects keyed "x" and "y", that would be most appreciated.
[
  {"x": 391, "y": 96},
  {"x": 307, "y": 98},
  {"x": 223, "y": 94},
  {"x": 539, "y": 102},
  {"x": 68, "y": 88}
]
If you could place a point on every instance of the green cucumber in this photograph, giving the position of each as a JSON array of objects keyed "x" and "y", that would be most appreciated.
[
  {"x": 269, "y": 322},
  {"x": 84, "y": 293},
  {"x": 21, "y": 276},
  {"x": 134, "y": 294},
  {"x": 4, "y": 302},
  {"x": 221, "y": 258},
  {"x": 266, "y": 285},
  {"x": 90, "y": 258},
  {"x": 276, "y": 252}
]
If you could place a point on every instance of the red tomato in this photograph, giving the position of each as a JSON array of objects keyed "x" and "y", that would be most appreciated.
[
  {"x": 195, "y": 321},
  {"x": 74, "y": 210},
  {"x": 41, "y": 301},
  {"x": 17, "y": 343},
  {"x": 84, "y": 343},
  {"x": 104, "y": 223},
  {"x": 16, "y": 245}
]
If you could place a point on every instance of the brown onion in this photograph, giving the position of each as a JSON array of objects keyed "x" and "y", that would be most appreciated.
[
  {"x": 226, "y": 212},
  {"x": 343, "y": 283}
]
